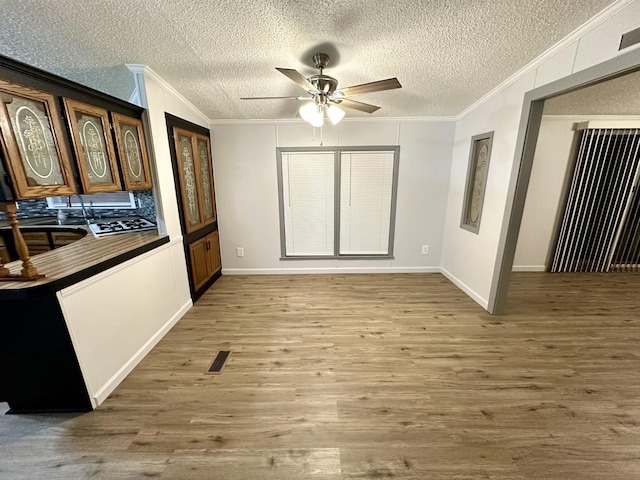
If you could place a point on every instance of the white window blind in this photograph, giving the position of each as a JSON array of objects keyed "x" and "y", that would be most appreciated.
[
  {"x": 308, "y": 203},
  {"x": 366, "y": 185},
  {"x": 337, "y": 202}
]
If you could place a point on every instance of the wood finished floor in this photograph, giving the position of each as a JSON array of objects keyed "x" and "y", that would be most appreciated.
[{"x": 367, "y": 377}]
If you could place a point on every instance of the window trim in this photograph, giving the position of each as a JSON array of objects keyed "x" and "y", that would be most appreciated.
[
  {"x": 337, "y": 153},
  {"x": 56, "y": 203}
]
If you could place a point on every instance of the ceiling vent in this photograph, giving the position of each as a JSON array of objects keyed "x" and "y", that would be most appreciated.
[{"x": 630, "y": 38}]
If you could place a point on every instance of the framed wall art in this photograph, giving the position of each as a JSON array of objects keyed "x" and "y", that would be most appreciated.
[
  {"x": 33, "y": 145},
  {"x": 93, "y": 147},
  {"x": 478, "y": 169},
  {"x": 132, "y": 152}
]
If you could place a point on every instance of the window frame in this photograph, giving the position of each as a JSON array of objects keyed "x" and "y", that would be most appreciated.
[
  {"x": 337, "y": 172},
  {"x": 56, "y": 203}
]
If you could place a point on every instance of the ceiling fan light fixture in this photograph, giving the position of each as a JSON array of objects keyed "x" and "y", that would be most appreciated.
[
  {"x": 335, "y": 114},
  {"x": 312, "y": 113}
]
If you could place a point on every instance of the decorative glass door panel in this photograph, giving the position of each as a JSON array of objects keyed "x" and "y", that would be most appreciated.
[
  {"x": 206, "y": 183},
  {"x": 33, "y": 148},
  {"x": 189, "y": 180},
  {"x": 93, "y": 146}
]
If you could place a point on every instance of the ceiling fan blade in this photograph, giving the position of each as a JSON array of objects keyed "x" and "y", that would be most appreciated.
[
  {"x": 297, "y": 77},
  {"x": 363, "y": 107},
  {"x": 380, "y": 85},
  {"x": 275, "y": 98}
]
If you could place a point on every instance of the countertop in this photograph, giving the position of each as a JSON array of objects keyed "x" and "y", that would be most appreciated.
[{"x": 82, "y": 259}]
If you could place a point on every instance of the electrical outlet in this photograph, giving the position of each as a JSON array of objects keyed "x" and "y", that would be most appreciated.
[
  {"x": 239, "y": 252},
  {"x": 425, "y": 249}
]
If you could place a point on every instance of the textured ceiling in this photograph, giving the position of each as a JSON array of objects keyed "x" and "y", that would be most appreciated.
[
  {"x": 446, "y": 53},
  {"x": 618, "y": 96}
]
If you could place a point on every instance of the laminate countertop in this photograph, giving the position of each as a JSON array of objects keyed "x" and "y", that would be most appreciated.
[{"x": 78, "y": 261}]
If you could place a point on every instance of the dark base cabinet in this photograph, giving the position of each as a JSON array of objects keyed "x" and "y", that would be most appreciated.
[{"x": 39, "y": 370}]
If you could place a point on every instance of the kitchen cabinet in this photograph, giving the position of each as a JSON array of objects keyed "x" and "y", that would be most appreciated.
[
  {"x": 204, "y": 256},
  {"x": 50, "y": 151},
  {"x": 33, "y": 143},
  {"x": 196, "y": 179},
  {"x": 193, "y": 173}
]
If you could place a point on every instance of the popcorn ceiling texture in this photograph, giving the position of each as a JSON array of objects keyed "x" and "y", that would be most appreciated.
[
  {"x": 446, "y": 53},
  {"x": 618, "y": 96}
]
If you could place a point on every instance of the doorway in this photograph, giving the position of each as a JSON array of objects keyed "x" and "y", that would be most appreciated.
[{"x": 531, "y": 118}]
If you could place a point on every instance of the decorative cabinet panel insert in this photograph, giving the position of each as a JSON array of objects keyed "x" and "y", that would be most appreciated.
[
  {"x": 196, "y": 179},
  {"x": 132, "y": 152},
  {"x": 93, "y": 146},
  {"x": 32, "y": 143}
]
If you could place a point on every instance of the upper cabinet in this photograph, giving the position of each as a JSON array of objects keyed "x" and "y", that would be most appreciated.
[
  {"x": 93, "y": 147},
  {"x": 33, "y": 143},
  {"x": 59, "y": 138},
  {"x": 132, "y": 152},
  {"x": 193, "y": 155}
]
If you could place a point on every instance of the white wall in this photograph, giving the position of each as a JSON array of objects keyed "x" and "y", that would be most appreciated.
[
  {"x": 244, "y": 159},
  {"x": 469, "y": 259},
  {"x": 550, "y": 164},
  {"x": 117, "y": 316}
]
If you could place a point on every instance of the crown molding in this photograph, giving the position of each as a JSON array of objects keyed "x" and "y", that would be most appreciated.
[
  {"x": 280, "y": 121},
  {"x": 142, "y": 71},
  {"x": 574, "y": 36}
]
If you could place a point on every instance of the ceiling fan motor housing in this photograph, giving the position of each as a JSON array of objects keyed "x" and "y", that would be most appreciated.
[{"x": 324, "y": 83}]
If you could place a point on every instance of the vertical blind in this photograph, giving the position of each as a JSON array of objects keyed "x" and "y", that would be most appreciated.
[
  {"x": 337, "y": 202},
  {"x": 366, "y": 183},
  {"x": 599, "y": 200},
  {"x": 308, "y": 198}
]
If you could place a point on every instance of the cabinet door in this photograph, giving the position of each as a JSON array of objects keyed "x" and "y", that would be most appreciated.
[
  {"x": 200, "y": 264},
  {"x": 203, "y": 150},
  {"x": 32, "y": 142},
  {"x": 213, "y": 247},
  {"x": 189, "y": 180}
]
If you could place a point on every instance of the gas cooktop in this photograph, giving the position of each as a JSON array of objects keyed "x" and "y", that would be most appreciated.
[{"x": 113, "y": 227}]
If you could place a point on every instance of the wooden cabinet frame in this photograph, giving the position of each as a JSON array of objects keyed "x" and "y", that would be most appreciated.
[
  {"x": 194, "y": 187},
  {"x": 132, "y": 152},
  {"x": 19, "y": 144},
  {"x": 96, "y": 156}
]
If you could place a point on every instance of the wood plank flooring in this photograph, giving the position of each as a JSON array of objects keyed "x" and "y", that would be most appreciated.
[{"x": 367, "y": 377}]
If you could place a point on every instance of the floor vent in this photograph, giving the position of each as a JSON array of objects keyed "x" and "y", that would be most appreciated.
[
  {"x": 218, "y": 362},
  {"x": 630, "y": 38}
]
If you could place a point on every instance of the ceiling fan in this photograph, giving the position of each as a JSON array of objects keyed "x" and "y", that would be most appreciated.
[{"x": 324, "y": 95}]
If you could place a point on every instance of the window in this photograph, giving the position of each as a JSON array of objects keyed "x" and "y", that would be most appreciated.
[
  {"x": 119, "y": 200},
  {"x": 337, "y": 202}
]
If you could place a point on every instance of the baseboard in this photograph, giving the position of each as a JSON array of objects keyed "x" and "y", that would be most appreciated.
[
  {"x": 529, "y": 268},
  {"x": 102, "y": 394},
  {"x": 484, "y": 303},
  {"x": 309, "y": 271}
]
